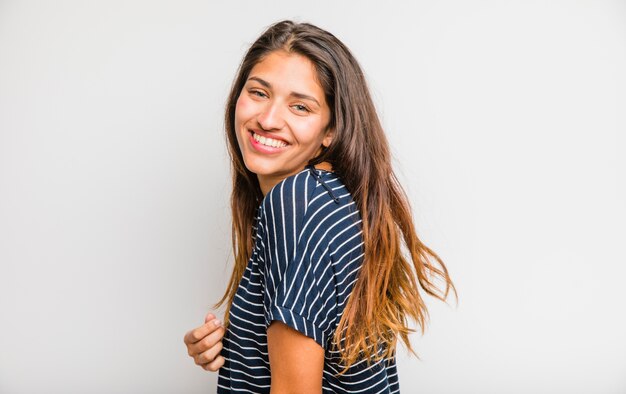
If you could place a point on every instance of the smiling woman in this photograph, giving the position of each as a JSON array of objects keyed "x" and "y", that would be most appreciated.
[
  {"x": 322, "y": 289},
  {"x": 281, "y": 118}
]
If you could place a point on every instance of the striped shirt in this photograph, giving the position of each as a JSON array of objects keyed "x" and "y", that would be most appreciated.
[{"x": 308, "y": 249}]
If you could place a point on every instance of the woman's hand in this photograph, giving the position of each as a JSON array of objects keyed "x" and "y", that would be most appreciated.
[{"x": 204, "y": 344}]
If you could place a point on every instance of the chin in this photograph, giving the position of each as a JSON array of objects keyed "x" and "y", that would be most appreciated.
[{"x": 260, "y": 168}]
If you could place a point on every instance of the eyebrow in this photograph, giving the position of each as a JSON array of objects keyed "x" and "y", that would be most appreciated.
[{"x": 295, "y": 94}]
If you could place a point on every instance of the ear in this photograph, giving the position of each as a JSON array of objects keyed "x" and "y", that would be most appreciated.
[{"x": 328, "y": 138}]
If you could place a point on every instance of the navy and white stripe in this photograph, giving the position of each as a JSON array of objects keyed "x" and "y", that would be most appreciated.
[{"x": 308, "y": 249}]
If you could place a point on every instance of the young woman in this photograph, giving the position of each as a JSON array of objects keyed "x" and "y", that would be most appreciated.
[{"x": 328, "y": 269}]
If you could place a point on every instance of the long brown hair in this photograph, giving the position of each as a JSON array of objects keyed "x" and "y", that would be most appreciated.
[{"x": 386, "y": 295}]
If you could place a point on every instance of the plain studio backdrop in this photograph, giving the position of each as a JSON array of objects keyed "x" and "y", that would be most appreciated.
[{"x": 506, "y": 120}]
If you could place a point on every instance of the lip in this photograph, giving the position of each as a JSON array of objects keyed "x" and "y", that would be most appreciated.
[{"x": 264, "y": 148}]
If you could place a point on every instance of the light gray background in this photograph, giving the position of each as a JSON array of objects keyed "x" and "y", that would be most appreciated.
[{"x": 506, "y": 119}]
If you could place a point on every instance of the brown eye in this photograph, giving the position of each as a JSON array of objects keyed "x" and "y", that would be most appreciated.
[
  {"x": 257, "y": 93},
  {"x": 301, "y": 108}
]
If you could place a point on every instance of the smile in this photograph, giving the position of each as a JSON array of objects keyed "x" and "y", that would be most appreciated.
[{"x": 268, "y": 141}]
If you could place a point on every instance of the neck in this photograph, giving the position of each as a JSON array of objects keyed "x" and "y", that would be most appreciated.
[{"x": 324, "y": 166}]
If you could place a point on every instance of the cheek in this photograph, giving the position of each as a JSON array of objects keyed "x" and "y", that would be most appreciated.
[
  {"x": 241, "y": 109},
  {"x": 311, "y": 132}
]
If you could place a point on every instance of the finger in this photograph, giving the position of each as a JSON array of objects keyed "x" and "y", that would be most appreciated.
[
  {"x": 207, "y": 342},
  {"x": 209, "y": 316},
  {"x": 209, "y": 355},
  {"x": 215, "y": 364},
  {"x": 199, "y": 333}
]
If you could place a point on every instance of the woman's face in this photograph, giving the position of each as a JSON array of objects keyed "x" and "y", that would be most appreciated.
[{"x": 281, "y": 117}]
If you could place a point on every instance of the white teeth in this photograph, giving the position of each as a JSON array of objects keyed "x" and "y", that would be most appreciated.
[{"x": 268, "y": 141}]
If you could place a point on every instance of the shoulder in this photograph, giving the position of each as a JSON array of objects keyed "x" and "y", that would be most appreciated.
[
  {"x": 285, "y": 205},
  {"x": 295, "y": 189},
  {"x": 308, "y": 202},
  {"x": 310, "y": 189}
]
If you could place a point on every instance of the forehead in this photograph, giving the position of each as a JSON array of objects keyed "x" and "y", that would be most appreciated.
[{"x": 289, "y": 72}]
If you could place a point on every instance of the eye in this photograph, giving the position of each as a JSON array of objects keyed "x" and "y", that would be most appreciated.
[
  {"x": 300, "y": 108},
  {"x": 257, "y": 93}
]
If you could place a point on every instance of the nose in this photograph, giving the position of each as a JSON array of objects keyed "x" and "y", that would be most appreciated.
[{"x": 271, "y": 118}]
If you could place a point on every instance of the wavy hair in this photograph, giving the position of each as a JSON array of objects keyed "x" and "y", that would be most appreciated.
[{"x": 397, "y": 266}]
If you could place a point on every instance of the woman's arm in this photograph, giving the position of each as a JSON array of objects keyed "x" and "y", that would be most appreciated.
[{"x": 296, "y": 361}]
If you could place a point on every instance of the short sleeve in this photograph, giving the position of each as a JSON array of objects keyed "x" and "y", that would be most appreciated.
[{"x": 299, "y": 280}]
